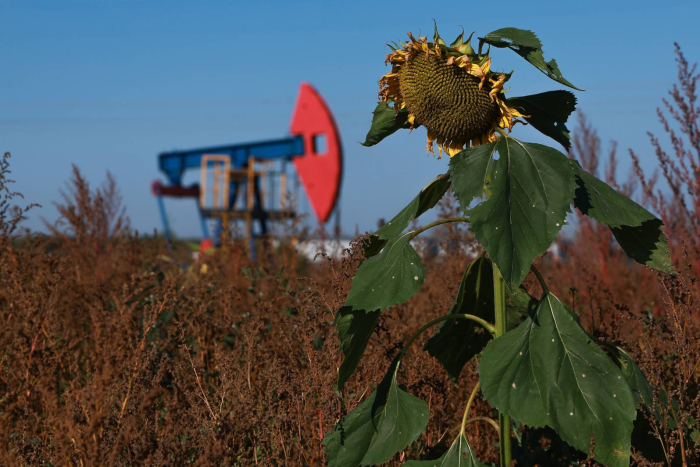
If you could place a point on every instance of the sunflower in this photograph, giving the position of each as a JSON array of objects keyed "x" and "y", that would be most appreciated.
[{"x": 450, "y": 90}]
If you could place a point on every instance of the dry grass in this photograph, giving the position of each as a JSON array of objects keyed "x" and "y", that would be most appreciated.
[{"x": 114, "y": 350}]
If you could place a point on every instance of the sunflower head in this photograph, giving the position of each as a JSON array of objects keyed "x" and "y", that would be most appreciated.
[{"x": 450, "y": 90}]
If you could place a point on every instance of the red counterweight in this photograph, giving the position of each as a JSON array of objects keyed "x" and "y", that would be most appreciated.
[{"x": 321, "y": 167}]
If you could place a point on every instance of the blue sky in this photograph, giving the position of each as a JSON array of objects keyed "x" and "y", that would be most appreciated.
[{"x": 108, "y": 85}]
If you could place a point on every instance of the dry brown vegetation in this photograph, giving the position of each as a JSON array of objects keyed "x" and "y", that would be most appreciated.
[{"x": 115, "y": 349}]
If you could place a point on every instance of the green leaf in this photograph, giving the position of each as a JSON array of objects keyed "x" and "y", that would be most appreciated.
[
  {"x": 548, "y": 113},
  {"x": 426, "y": 199},
  {"x": 527, "y": 45},
  {"x": 513, "y": 37},
  {"x": 384, "y": 424},
  {"x": 355, "y": 328},
  {"x": 385, "y": 121},
  {"x": 646, "y": 244},
  {"x": 460, "y": 454},
  {"x": 549, "y": 372},
  {"x": 638, "y": 231},
  {"x": 387, "y": 279},
  {"x": 519, "y": 305},
  {"x": 600, "y": 201},
  {"x": 470, "y": 173},
  {"x": 529, "y": 188},
  {"x": 457, "y": 341},
  {"x": 635, "y": 376}
]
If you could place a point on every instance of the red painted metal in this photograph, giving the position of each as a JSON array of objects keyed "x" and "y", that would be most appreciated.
[
  {"x": 320, "y": 174},
  {"x": 206, "y": 245},
  {"x": 157, "y": 188}
]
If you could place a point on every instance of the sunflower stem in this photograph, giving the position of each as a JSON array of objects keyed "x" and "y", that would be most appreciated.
[{"x": 499, "y": 300}]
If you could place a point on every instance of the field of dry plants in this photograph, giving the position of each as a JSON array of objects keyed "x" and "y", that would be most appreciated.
[{"x": 117, "y": 349}]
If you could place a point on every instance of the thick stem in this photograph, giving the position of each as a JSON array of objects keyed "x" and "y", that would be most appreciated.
[{"x": 499, "y": 300}]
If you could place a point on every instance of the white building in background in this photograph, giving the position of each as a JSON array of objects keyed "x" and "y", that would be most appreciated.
[{"x": 311, "y": 248}]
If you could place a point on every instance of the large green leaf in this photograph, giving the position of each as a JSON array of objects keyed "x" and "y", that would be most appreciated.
[
  {"x": 457, "y": 341},
  {"x": 471, "y": 173},
  {"x": 389, "y": 278},
  {"x": 600, "y": 201},
  {"x": 385, "y": 121},
  {"x": 549, "y": 372},
  {"x": 383, "y": 425},
  {"x": 646, "y": 244},
  {"x": 508, "y": 381},
  {"x": 527, "y": 45},
  {"x": 460, "y": 454},
  {"x": 638, "y": 231},
  {"x": 355, "y": 328},
  {"x": 529, "y": 190},
  {"x": 548, "y": 113}
]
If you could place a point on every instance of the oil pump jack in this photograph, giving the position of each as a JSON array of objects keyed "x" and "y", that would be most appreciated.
[{"x": 248, "y": 182}]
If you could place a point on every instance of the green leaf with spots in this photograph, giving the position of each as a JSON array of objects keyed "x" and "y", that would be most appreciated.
[
  {"x": 638, "y": 231},
  {"x": 387, "y": 279},
  {"x": 528, "y": 191},
  {"x": 527, "y": 45},
  {"x": 460, "y": 454},
  {"x": 548, "y": 113},
  {"x": 457, "y": 341},
  {"x": 385, "y": 121},
  {"x": 376, "y": 430},
  {"x": 549, "y": 372},
  {"x": 355, "y": 328}
]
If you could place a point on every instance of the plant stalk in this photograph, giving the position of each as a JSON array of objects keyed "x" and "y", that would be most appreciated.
[
  {"x": 499, "y": 300},
  {"x": 469, "y": 404},
  {"x": 417, "y": 232}
]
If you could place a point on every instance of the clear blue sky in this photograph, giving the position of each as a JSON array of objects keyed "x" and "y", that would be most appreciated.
[{"x": 107, "y": 85}]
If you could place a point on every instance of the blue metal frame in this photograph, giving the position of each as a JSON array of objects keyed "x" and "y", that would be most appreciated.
[
  {"x": 174, "y": 163},
  {"x": 163, "y": 215}
]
